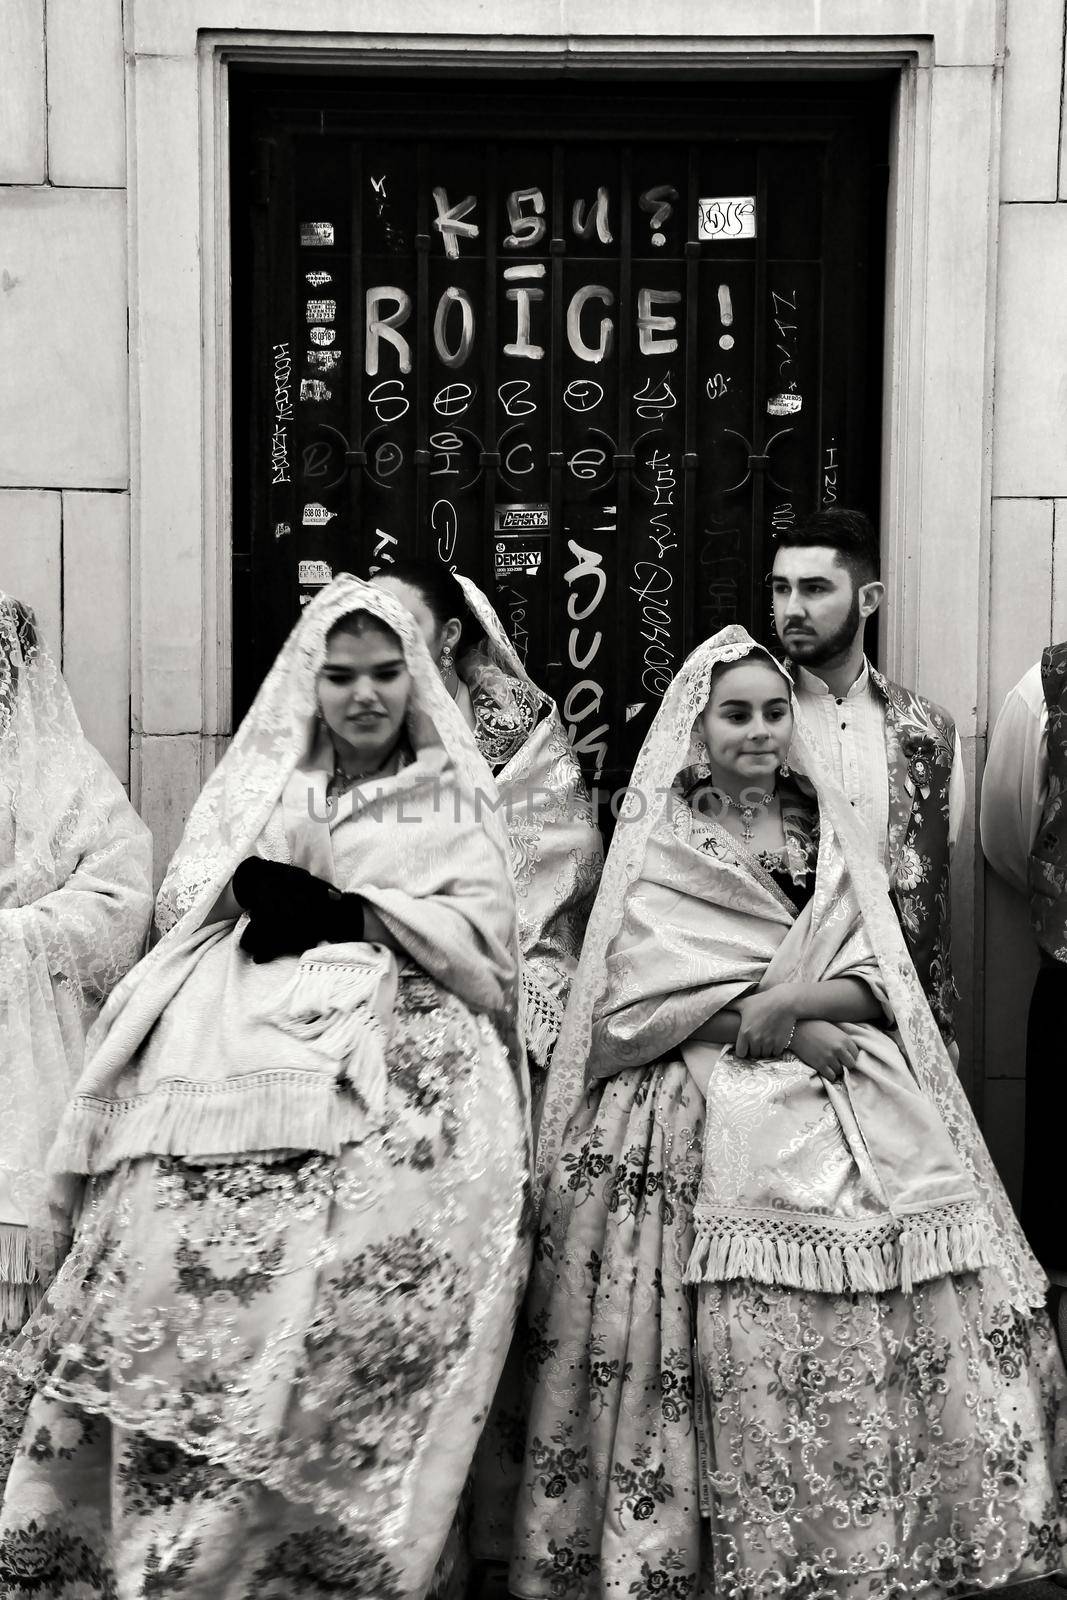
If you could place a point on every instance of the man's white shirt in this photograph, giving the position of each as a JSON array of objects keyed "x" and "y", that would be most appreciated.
[
  {"x": 848, "y": 732},
  {"x": 1015, "y": 783}
]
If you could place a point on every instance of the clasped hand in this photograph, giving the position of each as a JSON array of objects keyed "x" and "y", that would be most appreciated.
[
  {"x": 769, "y": 1026},
  {"x": 290, "y": 910}
]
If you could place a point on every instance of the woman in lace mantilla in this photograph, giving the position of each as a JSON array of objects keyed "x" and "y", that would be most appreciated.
[
  {"x": 556, "y": 852},
  {"x": 300, "y": 1152},
  {"x": 785, "y": 1335},
  {"x": 75, "y": 904}
]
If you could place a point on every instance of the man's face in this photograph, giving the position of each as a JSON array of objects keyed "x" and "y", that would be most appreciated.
[{"x": 817, "y": 611}]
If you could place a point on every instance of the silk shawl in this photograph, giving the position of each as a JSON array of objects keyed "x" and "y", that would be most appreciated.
[
  {"x": 832, "y": 1187},
  {"x": 555, "y": 845},
  {"x": 851, "y": 927},
  {"x": 75, "y": 904},
  {"x": 423, "y": 847}
]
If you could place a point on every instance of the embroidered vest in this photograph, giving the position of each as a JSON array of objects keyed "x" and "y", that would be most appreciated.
[
  {"x": 1048, "y": 859},
  {"x": 920, "y": 748}
]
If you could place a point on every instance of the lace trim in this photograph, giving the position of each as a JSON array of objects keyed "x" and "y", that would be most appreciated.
[{"x": 839, "y": 1256}]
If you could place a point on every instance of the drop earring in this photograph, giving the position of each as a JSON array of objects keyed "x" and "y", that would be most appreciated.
[{"x": 447, "y": 661}]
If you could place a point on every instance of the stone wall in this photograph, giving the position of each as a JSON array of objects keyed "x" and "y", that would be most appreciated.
[
  {"x": 64, "y": 414},
  {"x": 1028, "y": 588}
]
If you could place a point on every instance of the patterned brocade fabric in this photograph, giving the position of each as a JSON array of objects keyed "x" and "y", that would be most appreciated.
[
  {"x": 506, "y": 710},
  {"x": 736, "y": 1390},
  {"x": 921, "y": 740},
  {"x": 555, "y": 845},
  {"x": 1048, "y": 859},
  {"x": 869, "y": 1446}
]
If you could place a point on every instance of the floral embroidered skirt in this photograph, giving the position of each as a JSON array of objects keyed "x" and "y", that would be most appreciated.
[
  {"x": 265, "y": 1380},
  {"x": 752, "y": 1441}
]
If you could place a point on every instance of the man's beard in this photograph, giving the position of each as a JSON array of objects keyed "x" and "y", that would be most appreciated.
[{"x": 810, "y": 651}]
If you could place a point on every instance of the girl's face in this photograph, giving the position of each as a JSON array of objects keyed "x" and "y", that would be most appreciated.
[
  {"x": 363, "y": 689},
  {"x": 412, "y": 601},
  {"x": 748, "y": 722}
]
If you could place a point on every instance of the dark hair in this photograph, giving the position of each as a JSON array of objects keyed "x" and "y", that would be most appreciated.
[
  {"x": 838, "y": 528},
  {"x": 440, "y": 592},
  {"x": 357, "y": 623}
]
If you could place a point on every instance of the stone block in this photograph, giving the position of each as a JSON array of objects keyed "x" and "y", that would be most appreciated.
[
  {"x": 1030, "y": 419},
  {"x": 23, "y": 157},
  {"x": 1030, "y": 118},
  {"x": 956, "y": 379},
  {"x": 166, "y": 783},
  {"x": 1020, "y": 592},
  {"x": 63, "y": 363},
  {"x": 166, "y": 313},
  {"x": 963, "y": 33},
  {"x": 96, "y": 619},
  {"x": 30, "y": 545},
  {"x": 86, "y": 93}
]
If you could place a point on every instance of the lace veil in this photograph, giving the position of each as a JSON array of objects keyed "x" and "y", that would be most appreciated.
[
  {"x": 277, "y": 732},
  {"x": 75, "y": 903},
  {"x": 674, "y": 743},
  {"x": 500, "y": 648}
]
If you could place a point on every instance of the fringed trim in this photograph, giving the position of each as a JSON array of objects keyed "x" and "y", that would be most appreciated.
[
  {"x": 910, "y": 1251},
  {"x": 16, "y": 1261},
  {"x": 540, "y": 1032},
  {"x": 541, "y": 1019},
  {"x": 263, "y": 1111},
  {"x": 18, "y": 1302},
  {"x": 337, "y": 1000},
  {"x": 938, "y": 1251},
  {"x": 20, "y": 1287}
]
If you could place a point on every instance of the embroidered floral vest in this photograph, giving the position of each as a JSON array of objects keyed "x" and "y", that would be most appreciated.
[
  {"x": 1048, "y": 859},
  {"x": 920, "y": 748}
]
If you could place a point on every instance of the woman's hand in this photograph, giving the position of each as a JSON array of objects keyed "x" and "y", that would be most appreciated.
[
  {"x": 768, "y": 1018},
  {"x": 826, "y": 1048}
]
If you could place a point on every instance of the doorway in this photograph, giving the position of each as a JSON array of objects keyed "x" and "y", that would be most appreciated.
[{"x": 593, "y": 343}]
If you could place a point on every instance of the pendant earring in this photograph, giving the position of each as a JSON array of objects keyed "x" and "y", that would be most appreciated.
[
  {"x": 447, "y": 662},
  {"x": 784, "y": 770}
]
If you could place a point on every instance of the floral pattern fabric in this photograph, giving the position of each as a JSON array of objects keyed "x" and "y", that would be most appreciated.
[
  {"x": 920, "y": 746},
  {"x": 744, "y": 1440},
  {"x": 267, "y": 1377}
]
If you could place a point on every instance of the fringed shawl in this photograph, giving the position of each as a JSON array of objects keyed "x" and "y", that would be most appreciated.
[
  {"x": 926, "y": 1191},
  {"x": 423, "y": 848},
  {"x": 814, "y": 1185}
]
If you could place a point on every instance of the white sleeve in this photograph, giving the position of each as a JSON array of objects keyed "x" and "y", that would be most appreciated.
[
  {"x": 1014, "y": 788},
  {"x": 957, "y": 795}
]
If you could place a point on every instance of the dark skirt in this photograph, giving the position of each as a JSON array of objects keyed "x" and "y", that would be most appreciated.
[{"x": 1043, "y": 1205}]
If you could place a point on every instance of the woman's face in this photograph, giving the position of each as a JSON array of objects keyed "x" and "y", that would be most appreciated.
[
  {"x": 748, "y": 722},
  {"x": 363, "y": 689},
  {"x": 412, "y": 601}
]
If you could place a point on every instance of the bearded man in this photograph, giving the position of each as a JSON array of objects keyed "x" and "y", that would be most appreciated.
[{"x": 895, "y": 754}]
